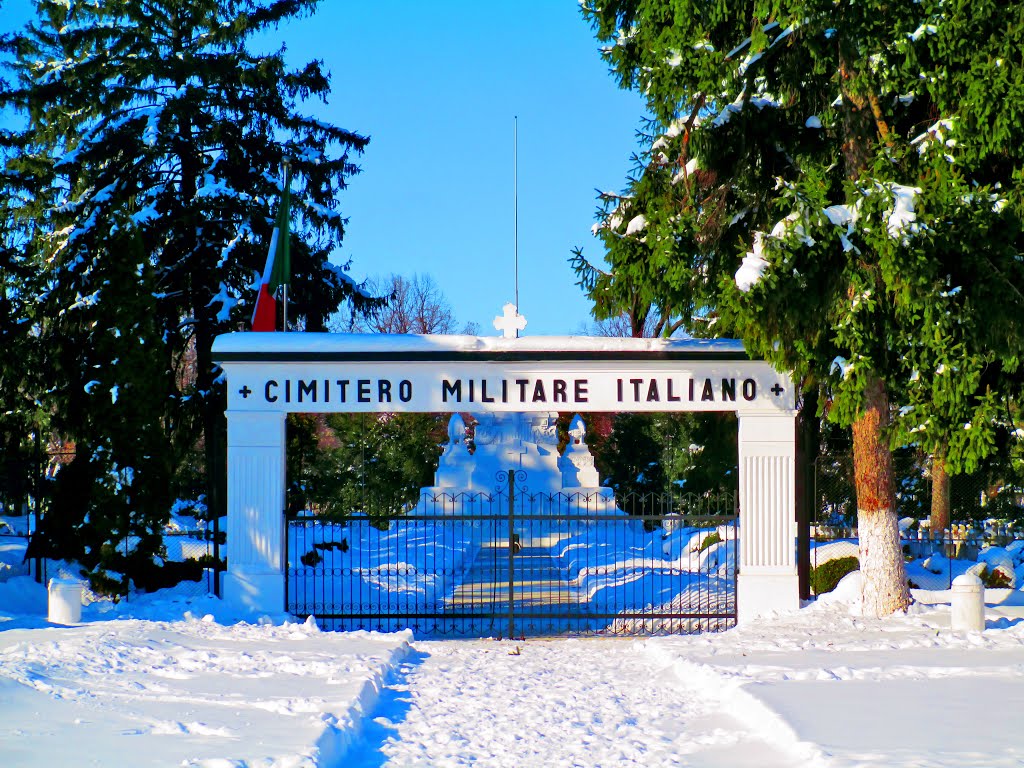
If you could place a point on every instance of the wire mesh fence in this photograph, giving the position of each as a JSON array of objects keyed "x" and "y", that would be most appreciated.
[
  {"x": 987, "y": 525},
  {"x": 14, "y": 537},
  {"x": 189, "y": 566},
  {"x": 973, "y": 498},
  {"x": 190, "y": 559}
]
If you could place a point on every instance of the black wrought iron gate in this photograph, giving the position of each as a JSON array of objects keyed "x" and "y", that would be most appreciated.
[{"x": 512, "y": 563}]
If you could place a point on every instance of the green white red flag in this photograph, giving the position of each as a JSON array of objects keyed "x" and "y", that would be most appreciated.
[{"x": 277, "y": 271}]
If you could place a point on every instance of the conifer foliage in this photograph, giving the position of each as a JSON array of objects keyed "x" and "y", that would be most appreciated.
[
  {"x": 144, "y": 185},
  {"x": 855, "y": 208}
]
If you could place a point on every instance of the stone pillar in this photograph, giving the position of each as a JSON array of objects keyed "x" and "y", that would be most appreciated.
[
  {"x": 768, "y": 578},
  {"x": 255, "y": 536}
]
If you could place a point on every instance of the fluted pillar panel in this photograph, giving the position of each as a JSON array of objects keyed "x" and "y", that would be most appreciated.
[
  {"x": 255, "y": 524},
  {"x": 767, "y": 561}
]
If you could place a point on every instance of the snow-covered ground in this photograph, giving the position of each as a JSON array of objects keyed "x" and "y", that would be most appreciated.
[{"x": 165, "y": 680}]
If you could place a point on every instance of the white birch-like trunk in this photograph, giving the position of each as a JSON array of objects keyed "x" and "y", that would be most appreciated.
[{"x": 881, "y": 563}]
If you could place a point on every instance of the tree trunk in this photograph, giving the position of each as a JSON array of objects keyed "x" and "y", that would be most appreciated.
[
  {"x": 884, "y": 576},
  {"x": 808, "y": 445},
  {"x": 215, "y": 441},
  {"x": 940, "y": 496}
]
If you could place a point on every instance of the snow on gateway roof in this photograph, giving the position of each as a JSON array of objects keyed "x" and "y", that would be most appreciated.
[{"x": 237, "y": 346}]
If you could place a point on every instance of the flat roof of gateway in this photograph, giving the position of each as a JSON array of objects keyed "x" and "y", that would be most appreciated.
[{"x": 297, "y": 346}]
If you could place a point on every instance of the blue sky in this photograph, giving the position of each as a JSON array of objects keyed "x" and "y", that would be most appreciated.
[{"x": 436, "y": 85}]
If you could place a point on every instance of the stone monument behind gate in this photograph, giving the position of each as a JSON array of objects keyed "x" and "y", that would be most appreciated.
[{"x": 521, "y": 441}]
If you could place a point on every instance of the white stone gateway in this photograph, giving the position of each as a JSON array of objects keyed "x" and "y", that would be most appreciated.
[{"x": 272, "y": 374}]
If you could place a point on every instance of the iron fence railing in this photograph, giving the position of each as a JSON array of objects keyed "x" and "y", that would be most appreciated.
[{"x": 517, "y": 564}]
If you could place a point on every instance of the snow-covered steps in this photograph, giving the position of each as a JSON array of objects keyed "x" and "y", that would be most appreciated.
[{"x": 538, "y": 583}]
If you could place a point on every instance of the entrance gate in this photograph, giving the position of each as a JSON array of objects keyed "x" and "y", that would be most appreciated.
[
  {"x": 514, "y": 564},
  {"x": 272, "y": 374}
]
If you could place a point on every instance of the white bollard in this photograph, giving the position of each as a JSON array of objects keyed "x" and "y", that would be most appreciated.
[
  {"x": 968, "y": 604},
  {"x": 65, "y": 601}
]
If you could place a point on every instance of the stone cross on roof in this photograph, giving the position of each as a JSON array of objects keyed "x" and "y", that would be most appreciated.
[{"x": 510, "y": 322}]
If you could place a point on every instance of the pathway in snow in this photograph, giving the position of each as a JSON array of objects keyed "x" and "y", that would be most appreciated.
[{"x": 584, "y": 702}]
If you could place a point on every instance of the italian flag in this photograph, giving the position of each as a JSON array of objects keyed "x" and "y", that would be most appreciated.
[{"x": 278, "y": 270}]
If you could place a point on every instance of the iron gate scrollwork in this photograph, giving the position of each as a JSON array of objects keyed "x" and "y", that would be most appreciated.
[{"x": 514, "y": 563}]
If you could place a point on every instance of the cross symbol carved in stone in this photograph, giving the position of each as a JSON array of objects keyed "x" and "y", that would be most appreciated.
[{"x": 510, "y": 322}]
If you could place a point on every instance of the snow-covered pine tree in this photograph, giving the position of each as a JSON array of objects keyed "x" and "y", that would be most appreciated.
[
  {"x": 154, "y": 123},
  {"x": 651, "y": 453},
  {"x": 115, "y": 397},
  {"x": 21, "y": 422},
  {"x": 868, "y": 164},
  {"x": 654, "y": 272}
]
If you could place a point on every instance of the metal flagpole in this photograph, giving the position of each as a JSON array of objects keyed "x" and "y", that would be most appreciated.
[
  {"x": 284, "y": 287},
  {"x": 515, "y": 203}
]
